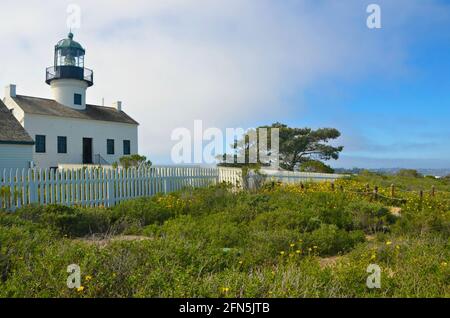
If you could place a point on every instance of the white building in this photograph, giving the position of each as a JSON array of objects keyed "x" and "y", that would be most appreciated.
[
  {"x": 65, "y": 129},
  {"x": 16, "y": 145}
]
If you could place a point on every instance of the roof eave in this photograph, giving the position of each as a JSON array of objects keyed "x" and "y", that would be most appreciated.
[{"x": 11, "y": 142}]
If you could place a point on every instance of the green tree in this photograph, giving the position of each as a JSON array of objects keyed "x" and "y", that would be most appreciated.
[
  {"x": 297, "y": 146},
  {"x": 134, "y": 161},
  {"x": 410, "y": 173},
  {"x": 315, "y": 166}
]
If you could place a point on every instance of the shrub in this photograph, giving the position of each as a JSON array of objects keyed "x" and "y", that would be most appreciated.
[
  {"x": 370, "y": 217},
  {"x": 74, "y": 222},
  {"x": 315, "y": 166},
  {"x": 301, "y": 221},
  {"x": 5, "y": 265},
  {"x": 330, "y": 240},
  {"x": 409, "y": 173},
  {"x": 142, "y": 211}
]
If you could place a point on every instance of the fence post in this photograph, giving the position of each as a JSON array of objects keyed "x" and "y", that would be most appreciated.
[
  {"x": 421, "y": 195},
  {"x": 433, "y": 191},
  {"x": 392, "y": 190},
  {"x": 164, "y": 175},
  {"x": 1, "y": 191},
  {"x": 375, "y": 192},
  {"x": 110, "y": 188},
  {"x": 332, "y": 186}
]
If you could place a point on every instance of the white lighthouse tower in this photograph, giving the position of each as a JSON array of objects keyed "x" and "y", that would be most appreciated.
[{"x": 68, "y": 78}]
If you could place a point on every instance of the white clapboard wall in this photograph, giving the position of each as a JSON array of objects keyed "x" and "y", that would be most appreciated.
[{"x": 93, "y": 187}]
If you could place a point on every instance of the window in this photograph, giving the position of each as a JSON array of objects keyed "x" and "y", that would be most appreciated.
[
  {"x": 77, "y": 99},
  {"x": 126, "y": 147},
  {"x": 110, "y": 146},
  {"x": 62, "y": 144},
  {"x": 40, "y": 144}
]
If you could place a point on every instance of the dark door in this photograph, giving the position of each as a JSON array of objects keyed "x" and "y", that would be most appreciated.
[{"x": 87, "y": 151}]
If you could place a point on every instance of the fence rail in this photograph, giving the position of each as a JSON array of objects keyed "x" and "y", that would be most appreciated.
[
  {"x": 298, "y": 177},
  {"x": 90, "y": 187}
]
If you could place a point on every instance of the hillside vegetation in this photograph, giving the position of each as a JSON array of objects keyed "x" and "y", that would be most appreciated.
[{"x": 282, "y": 241}]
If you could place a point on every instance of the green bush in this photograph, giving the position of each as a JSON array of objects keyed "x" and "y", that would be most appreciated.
[
  {"x": 5, "y": 264},
  {"x": 316, "y": 166},
  {"x": 370, "y": 217},
  {"x": 330, "y": 240},
  {"x": 74, "y": 222},
  {"x": 144, "y": 211},
  {"x": 410, "y": 173}
]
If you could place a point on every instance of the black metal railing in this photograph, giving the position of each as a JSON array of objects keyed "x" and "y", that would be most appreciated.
[
  {"x": 99, "y": 160},
  {"x": 69, "y": 72}
]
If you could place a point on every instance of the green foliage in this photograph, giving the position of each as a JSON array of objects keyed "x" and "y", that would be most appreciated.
[
  {"x": 281, "y": 241},
  {"x": 74, "y": 222},
  {"x": 330, "y": 240},
  {"x": 315, "y": 166},
  {"x": 296, "y": 146},
  {"x": 371, "y": 217},
  {"x": 143, "y": 211},
  {"x": 408, "y": 183},
  {"x": 411, "y": 173},
  {"x": 133, "y": 161}
]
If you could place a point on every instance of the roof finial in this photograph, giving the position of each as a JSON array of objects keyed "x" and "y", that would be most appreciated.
[{"x": 70, "y": 34}]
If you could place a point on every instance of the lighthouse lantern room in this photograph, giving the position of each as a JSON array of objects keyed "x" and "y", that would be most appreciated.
[{"x": 68, "y": 78}]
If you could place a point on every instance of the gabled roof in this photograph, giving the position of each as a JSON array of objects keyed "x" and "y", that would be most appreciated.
[
  {"x": 11, "y": 131},
  {"x": 49, "y": 107}
]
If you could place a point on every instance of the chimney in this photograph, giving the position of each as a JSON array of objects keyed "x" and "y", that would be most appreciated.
[
  {"x": 118, "y": 106},
  {"x": 10, "y": 90}
]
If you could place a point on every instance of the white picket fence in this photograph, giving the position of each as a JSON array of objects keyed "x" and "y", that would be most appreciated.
[
  {"x": 291, "y": 177},
  {"x": 107, "y": 187},
  {"x": 98, "y": 187}
]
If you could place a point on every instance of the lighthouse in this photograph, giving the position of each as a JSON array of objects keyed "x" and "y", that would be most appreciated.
[
  {"x": 65, "y": 131},
  {"x": 68, "y": 78}
]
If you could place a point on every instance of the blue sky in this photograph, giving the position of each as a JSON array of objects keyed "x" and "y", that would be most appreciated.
[{"x": 236, "y": 63}]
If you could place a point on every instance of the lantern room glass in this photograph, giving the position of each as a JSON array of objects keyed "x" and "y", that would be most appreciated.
[{"x": 69, "y": 57}]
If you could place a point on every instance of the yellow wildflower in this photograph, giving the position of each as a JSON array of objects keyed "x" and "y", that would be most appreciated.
[
  {"x": 282, "y": 252},
  {"x": 80, "y": 289},
  {"x": 444, "y": 264},
  {"x": 292, "y": 245},
  {"x": 388, "y": 243},
  {"x": 88, "y": 278},
  {"x": 298, "y": 251},
  {"x": 225, "y": 289}
]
